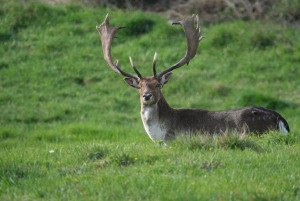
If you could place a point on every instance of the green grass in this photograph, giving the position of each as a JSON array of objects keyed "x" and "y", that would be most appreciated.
[{"x": 70, "y": 128}]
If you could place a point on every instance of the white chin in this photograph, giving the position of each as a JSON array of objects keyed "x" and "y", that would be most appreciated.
[{"x": 149, "y": 102}]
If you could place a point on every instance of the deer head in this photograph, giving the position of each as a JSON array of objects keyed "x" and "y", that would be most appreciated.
[{"x": 149, "y": 87}]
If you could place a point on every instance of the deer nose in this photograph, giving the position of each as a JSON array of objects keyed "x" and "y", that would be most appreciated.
[{"x": 147, "y": 96}]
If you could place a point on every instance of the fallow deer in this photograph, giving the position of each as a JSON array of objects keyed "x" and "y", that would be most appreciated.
[{"x": 161, "y": 121}]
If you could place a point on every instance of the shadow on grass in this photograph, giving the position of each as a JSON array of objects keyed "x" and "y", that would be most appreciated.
[
  {"x": 11, "y": 173},
  {"x": 255, "y": 98}
]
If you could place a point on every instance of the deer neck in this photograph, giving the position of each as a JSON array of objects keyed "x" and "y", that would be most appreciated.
[{"x": 155, "y": 119}]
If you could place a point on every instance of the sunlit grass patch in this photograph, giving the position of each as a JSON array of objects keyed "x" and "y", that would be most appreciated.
[
  {"x": 227, "y": 140},
  {"x": 273, "y": 138},
  {"x": 235, "y": 141}
]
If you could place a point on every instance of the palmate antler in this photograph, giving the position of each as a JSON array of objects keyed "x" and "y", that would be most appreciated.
[
  {"x": 193, "y": 38},
  {"x": 107, "y": 35},
  {"x": 192, "y": 35}
]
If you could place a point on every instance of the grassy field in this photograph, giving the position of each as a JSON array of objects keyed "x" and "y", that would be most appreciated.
[{"x": 70, "y": 128}]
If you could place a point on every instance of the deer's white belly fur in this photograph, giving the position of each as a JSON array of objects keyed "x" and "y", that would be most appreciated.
[{"x": 155, "y": 129}]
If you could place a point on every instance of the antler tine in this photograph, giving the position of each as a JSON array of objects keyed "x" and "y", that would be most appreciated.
[
  {"x": 193, "y": 38},
  {"x": 135, "y": 69},
  {"x": 121, "y": 72},
  {"x": 107, "y": 35},
  {"x": 154, "y": 64}
]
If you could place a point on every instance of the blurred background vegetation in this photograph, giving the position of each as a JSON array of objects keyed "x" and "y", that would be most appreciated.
[{"x": 211, "y": 11}]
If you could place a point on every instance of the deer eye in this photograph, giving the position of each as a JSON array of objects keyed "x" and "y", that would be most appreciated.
[{"x": 157, "y": 86}]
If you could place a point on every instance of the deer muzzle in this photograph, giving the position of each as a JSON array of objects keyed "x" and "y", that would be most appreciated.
[{"x": 147, "y": 96}]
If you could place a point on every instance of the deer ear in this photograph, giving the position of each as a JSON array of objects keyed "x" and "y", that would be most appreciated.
[
  {"x": 165, "y": 78},
  {"x": 132, "y": 82}
]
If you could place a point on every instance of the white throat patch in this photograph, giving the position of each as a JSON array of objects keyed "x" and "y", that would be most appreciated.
[{"x": 155, "y": 129}]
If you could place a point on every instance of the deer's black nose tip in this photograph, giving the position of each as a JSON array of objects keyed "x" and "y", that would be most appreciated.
[{"x": 147, "y": 96}]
